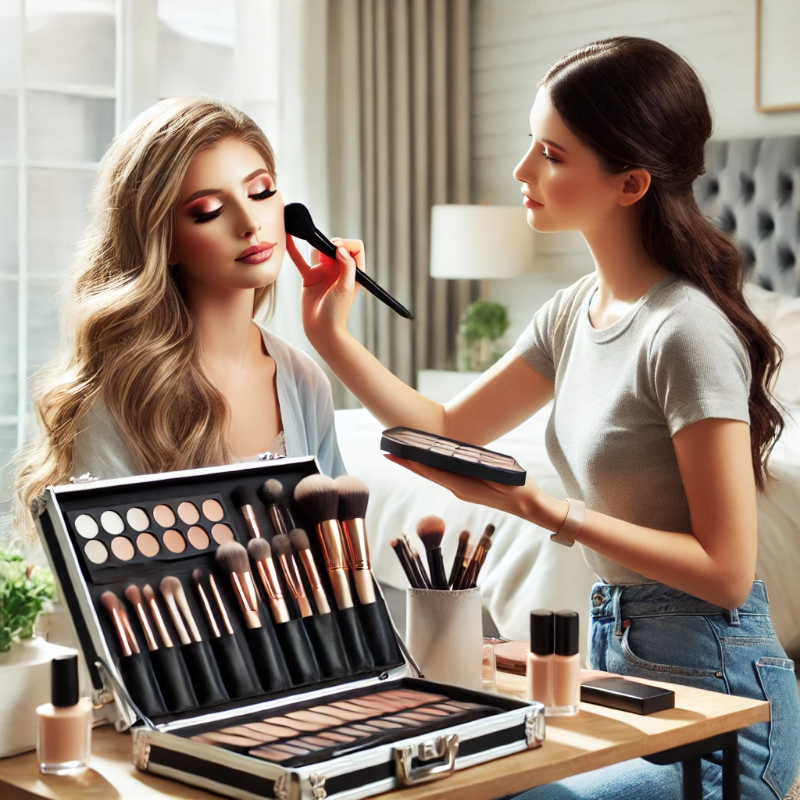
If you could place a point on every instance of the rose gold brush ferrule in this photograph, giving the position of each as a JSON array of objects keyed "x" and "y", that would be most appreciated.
[
  {"x": 207, "y": 608},
  {"x": 269, "y": 578},
  {"x": 277, "y": 520},
  {"x": 251, "y": 522},
  {"x": 330, "y": 536},
  {"x": 128, "y": 630},
  {"x": 355, "y": 534},
  {"x": 222, "y": 610},
  {"x": 159, "y": 620},
  {"x": 148, "y": 631},
  {"x": 250, "y": 617},
  {"x": 123, "y": 636},
  {"x": 250, "y": 591},
  {"x": 295, "y": 584},
  {"x": 320, "y": 598}
]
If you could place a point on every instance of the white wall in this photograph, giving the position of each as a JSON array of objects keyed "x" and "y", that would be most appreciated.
[{"x": 515, "y": 41}]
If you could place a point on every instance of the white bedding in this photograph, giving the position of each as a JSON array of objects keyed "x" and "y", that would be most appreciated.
[{"x": 524, "y": 569}]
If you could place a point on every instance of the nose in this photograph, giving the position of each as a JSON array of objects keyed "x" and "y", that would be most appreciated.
[
  {"x": 525, "y": 171},
  {"x": 248, "y": 223}
]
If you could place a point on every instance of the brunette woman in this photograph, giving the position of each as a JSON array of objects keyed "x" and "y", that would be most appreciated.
[{"x": 662, "y": 418}]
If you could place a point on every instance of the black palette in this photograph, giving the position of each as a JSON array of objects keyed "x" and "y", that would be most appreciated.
[{"x": 452, "y": 455}]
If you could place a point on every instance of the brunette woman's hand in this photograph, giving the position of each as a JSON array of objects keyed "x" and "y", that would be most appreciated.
[{"x": 329, "y": 286}]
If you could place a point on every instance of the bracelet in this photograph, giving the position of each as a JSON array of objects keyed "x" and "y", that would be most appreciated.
[{"x": 571, "y": 526}]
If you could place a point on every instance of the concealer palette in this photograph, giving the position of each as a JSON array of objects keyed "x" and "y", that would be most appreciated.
[
  {"x": 452, "y": 455},
  {"x": 237, "y": 666}
]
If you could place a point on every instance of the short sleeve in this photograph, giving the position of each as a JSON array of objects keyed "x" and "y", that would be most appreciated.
[
  {"x": 98, "y": 447},
  {"x": 535, "y": 344},
  {"x": 699, "y": 367}
]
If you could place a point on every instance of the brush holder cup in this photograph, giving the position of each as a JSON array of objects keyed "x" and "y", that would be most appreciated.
[{"x": 444, "y": 632}]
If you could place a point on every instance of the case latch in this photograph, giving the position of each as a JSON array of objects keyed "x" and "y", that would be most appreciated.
[{"x": 443, "y": 747}]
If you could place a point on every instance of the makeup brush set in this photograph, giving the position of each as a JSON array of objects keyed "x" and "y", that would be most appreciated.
[{"x": 232, "y": 615}]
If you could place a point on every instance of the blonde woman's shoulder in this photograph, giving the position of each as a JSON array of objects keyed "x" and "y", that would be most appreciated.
[{"x": 99, "y": 448}]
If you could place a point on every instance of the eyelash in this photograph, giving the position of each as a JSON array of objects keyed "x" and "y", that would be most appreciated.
[
  {"x": 265, "y": 195},
  {"x": 546, "y": 155}
]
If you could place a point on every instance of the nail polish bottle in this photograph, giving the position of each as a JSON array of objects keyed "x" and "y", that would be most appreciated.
[
  {"x": 65, "y": 724},
  {"x": 539, "y": 669},
  {"x": 566, "y": 665}
]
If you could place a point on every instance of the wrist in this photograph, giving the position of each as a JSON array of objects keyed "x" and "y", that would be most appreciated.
[{"x": 544, "y": 510}]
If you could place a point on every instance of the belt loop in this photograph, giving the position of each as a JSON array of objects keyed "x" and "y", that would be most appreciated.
[
  {"x": 733, "y": 617},
  {"x": 616, "y": 596}
]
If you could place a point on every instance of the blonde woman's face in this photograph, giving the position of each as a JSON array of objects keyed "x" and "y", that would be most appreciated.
[{"x": 229, "y": 231}]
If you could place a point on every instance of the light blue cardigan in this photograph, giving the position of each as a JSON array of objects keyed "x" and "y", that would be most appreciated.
[{"x": 304, "y": 396}]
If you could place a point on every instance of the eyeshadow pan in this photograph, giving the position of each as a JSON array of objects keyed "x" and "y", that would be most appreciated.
[
  {"x": 96, "y": 552},
  {"x": 222, "y": 533},
  {"x": 197, "y": 537},
  {"x": 269, "y": 754},
  {"x": 174, "y": 541},
  {"x": 112, "y": 522},
  {"x": 188, "y": 512},
  {"x": 86, "y": 526},
  {"x": 148, "y": 544},
  {"x": 271, "y": 729},
  {"x": 122, "y": 548},
  {"x": 213, "y": 510},
  {"x": 164, "y": 516},
  {"x": 138, "y": 519}
]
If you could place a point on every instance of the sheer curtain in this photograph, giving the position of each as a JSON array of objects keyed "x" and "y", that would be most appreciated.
[{"x": 375, "y": 124}]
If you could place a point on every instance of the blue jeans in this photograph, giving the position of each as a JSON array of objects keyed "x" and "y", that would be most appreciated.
[{"x": 656, "y": 632}]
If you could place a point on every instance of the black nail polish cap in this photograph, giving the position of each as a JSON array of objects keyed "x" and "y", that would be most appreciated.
[
  {"x": 567, "y": 633},
  {"x": 64, "y": 681},
  {"x": 542, "y": 640}
]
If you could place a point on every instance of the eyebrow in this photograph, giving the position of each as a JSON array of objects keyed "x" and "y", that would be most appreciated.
[
  {"x": 553, "y": 144},
  {"x": 205, "y": 192}
]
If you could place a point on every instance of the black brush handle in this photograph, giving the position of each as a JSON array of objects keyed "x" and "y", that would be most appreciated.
[
  {"x": 436, "y": 568},
  {"x": 454, "y": 570},
  {"x": 405, "y": 563}
]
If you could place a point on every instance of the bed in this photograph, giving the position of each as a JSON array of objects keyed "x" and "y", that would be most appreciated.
[{"x": 752, "y": 187}]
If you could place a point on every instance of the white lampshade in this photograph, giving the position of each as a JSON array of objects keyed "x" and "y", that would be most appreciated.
[{"x": 481, "y": 242}]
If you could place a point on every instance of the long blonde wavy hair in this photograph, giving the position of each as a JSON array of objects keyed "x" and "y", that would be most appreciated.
[{"x": 129, "y": 335}]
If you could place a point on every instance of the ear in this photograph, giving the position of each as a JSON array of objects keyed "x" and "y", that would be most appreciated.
[{"x": 634, "y": 184}]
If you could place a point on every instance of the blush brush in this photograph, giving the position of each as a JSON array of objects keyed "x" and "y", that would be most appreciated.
[
  {"x": 430, "y": 530},
  {"x": 298, "y": 222}
]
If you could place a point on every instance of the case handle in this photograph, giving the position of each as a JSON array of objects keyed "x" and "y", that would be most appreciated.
[{"x": 442, "y": 747}]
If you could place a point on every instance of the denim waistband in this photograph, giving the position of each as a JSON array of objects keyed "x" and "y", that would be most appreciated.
[{"x": 652, "y": 599}]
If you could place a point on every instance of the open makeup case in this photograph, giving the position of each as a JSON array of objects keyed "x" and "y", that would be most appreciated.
[{"x": 216, "y": 690}]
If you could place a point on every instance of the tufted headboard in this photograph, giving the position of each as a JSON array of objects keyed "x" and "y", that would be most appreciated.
[{"x": 751, "y": 187}]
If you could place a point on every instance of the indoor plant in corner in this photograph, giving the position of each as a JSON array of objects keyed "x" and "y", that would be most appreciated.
[
  {"x": 24, "y": 658},
  {"x": 483, "y": 324}
]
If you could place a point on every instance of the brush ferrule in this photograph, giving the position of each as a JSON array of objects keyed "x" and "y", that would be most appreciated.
[
  {"x": 162, "y": 628},
  {"x": 277, "y": 520},
  {"x": 320, "y": 598},
  {"x": 332, "y": 541},
  {"x": 121, "y": 634},
  {"x": 355, "y": 534},
  {"x": 222, "y": 610},
  {"x": 292, "y": 575},
  {"x": 250, "y": 520},
  {"x": 145, "y": 623}
]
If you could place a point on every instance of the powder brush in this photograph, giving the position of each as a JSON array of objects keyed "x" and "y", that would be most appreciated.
[
  {"x": 241, "y": 500},
  {"x": 150, "y": 599},
  {"x": 283, "y": 550},
  {"x": 273, "y": 494},
  {"x": 318, "y": 497},
  {"x": 261, "y": 552},
  {"x": 113, "y": 606},
  {"x": 197, "y": 577},
  {"x": 455, "y": 570},
  {"x": 430, "y": 530},
  {"x": 232, "y": 559},
  {"x": 134, "y": 597},
  {"x": 178, "y": 607},
  {"x": 299, "y": 539},
  {"x": 298, "y": 223},
  {"x": 353, "y": 500}
]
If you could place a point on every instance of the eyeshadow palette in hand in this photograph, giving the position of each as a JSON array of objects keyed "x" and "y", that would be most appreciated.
[{"x": 453, "y": 456}]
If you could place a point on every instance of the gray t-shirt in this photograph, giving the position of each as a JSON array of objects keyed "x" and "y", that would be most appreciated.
[{"x": 622, "y": 392}]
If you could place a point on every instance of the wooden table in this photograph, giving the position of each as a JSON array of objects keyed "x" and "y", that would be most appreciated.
[{"x": 596, "y": 737}]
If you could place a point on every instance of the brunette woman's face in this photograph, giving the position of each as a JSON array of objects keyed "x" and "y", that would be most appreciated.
[
  {"x": 229, "y": 231},
  {"x": 563, "y": 182}
]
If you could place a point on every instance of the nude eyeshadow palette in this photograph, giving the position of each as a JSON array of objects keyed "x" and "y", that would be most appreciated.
[
  {"x": 234, "y": 652},
  {"x": 452, "y": 455}
]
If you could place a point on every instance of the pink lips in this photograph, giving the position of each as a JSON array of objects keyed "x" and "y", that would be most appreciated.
[
  {"x": 256, "y": 254},
  {"x": 530, "y": 203}
]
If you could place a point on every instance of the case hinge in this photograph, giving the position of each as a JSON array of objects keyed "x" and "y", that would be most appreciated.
[
  {"x": 141, "y": 752},
  {"x": 443, "y": 747},
  {"x": 317, "y": 783},
  {"x": 535, "y": 727}
]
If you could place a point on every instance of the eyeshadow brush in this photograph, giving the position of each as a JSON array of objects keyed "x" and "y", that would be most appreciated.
[
  {"x": 261, "y": 553},
  {"x": 232, "y": 558},
  {"x": 416, "y": 563},
  {"x": 318, "y": 497},
  {"x": 242, "y": 500},
  {"x": 405, "y": 563},
  {"x": 470, "y": 575},
  {"x": 353, "y": 500},
  {"x": 150, "y": 599},
  {"x": 430, "y": 530},
  {"x": 134, "y": 597},
  {"x": 273, "y": 495},
  {"x": 113, "y": 606},
  {"x": 173, "y": 594},
  {"x": 298, "y": 222},
  {"x": 283, "y": 549},
  {"x": 299, "y": 539},
  {"x": 455, "y": 570},
  {"x": 197, "y": 577}
]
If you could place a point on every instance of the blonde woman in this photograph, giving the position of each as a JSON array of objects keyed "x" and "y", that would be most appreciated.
[{"x": 165, "y": 367}]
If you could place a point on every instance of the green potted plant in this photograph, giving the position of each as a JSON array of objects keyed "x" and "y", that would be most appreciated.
[
  {"x": 483, "y": 324},
  {"x": 25, "y": 591}
]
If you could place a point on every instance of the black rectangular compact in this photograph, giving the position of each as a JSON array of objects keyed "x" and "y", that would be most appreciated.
[
  {"x": 625, "y": 695},
  {"x": 452, "y": 455},
  {"x": 226, "y": 647}
]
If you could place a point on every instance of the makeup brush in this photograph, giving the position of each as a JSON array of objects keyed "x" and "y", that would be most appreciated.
[
  {"x": 430, "y": 530},
  {"x": 298, "y": 222},
  {"x": 405, "y": 562},
  {"x": 319, "y": 499},
  {"x": 353, "y": 500},
  {"x": 150, "y": 599},
  {"x": 175, "y": 598},
  {"x": 274, "y": 496},
  {"x": 113, "y": 606},
  {"x": 241, "y": 499},
  {"x": 232, "y": 558},
  {"x": 299, "y": 539},
  {"x": 470, "y": 575},
  {"x": 489, "y": 530},
  {"x": 283, "y": 549},
  {"x": 223, "y": 612},
  {"x": 416, "y": 563},
  {"x": 197, "y": 577},
  {"x": 134, "y": 597},
  {"x": 261, "y": 552},
  {"x": 455, "y": 570}
]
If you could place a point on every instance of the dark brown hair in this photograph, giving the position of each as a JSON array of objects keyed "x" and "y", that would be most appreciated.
[{"x": 637, "y": 104}]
